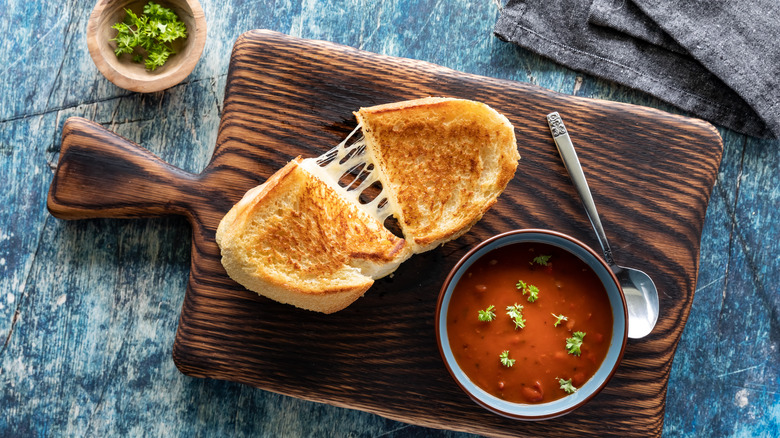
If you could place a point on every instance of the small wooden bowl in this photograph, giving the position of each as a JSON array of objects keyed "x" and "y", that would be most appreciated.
[{"x": 133, "y": 76}]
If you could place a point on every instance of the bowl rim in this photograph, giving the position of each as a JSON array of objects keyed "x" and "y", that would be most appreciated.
[{"x": 473, "y": 255}]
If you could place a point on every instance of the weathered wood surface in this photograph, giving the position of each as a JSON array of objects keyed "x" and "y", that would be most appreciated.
[
  {"x": 89, "y": 309},
  {"x": 378, "y": 355}
]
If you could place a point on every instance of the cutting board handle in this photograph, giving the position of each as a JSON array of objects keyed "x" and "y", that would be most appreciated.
[{"x": 103, "y": 175}]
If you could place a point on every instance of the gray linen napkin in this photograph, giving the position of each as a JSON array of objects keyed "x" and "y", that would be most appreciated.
[
  {"x": 626, "y": 17},
  {"x": 716, "y": 59}
]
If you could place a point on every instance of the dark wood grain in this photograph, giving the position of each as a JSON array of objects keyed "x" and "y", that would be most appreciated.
[
  {"x": 651, "y": 173},
  {"x": 105, "y": 175}
]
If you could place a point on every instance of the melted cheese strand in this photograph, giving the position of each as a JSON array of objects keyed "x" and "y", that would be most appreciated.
[{"x": 346, "y": 159}]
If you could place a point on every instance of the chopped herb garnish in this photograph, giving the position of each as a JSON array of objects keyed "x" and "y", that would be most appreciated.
[
  {"x": 533, "y": 293},
  {"x": 574, "y": 343},
  {"x": 505, "y": 360},
  {"x": 558, "y": 319},
  {"x": 488, "y": 314},
  {"x": 541, "y": 260},
  {"x": 528, "y": 289},
  {"x": 516, "y": 313},
  {"x": 153, "y": 31},
  {"x": 567, "y": 386}
]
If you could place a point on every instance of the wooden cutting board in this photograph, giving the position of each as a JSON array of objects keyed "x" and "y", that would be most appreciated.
[{"x": 651, "y": 173}]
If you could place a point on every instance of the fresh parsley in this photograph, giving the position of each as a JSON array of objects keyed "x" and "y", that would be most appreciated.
[
  {"x": 574, "y": 343},
  {"x": 528, "y": 289},
  {"x": 558, "y": 319},
  {"x": 540, "y": 260},
  {"x": 149, "y": 36},
  {"x": 505, "y": 360},
  {"x": 566, "y": 385},
  {"x": 533, "y": 293},
  {"x": 516, "y": 313},
  {"x": 488, "y": 314}
]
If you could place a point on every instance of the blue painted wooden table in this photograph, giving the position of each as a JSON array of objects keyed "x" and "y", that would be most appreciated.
[{"x": 89, "y": 309}]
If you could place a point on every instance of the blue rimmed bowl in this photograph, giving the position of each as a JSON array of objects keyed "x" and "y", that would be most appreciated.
[{"x": 589, "y": 389}]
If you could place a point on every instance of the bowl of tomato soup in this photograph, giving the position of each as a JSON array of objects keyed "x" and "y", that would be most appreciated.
[{"x": 531, "y": 324}]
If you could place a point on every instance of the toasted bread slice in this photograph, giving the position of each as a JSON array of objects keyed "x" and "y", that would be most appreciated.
[
  {"x": 297, "y": 241},
  {"x": 442, "y": 163}
]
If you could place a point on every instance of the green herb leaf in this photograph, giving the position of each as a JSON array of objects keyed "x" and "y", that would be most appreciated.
[
  {"x": 516, "y": 313},
  {"x": 533, "y": 293},
  {"x": 567, "y": 386},
  {"x": 528, "y": 289},
  {"x": 540, "y": 260},
  {"x": 157, "y": 57},
  {"x": 488, "y": 314},
  {"x": 574, "y": 343},
  {"x": 153, "y": 9},
  {"x": 505, "y": 360},
  {"x": 131, "y": 18},
  {"x": 558, "y": 319}
]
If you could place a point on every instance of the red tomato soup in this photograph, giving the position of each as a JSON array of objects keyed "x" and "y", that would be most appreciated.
[{"x": 541, "y": 362}]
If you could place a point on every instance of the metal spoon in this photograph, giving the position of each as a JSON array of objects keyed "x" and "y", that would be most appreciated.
[{"x": 641, "y": 294}]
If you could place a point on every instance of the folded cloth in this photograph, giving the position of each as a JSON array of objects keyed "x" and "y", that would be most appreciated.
[
  {"x": 624, "y": 16},
  {"x": 718, "y": 60}
]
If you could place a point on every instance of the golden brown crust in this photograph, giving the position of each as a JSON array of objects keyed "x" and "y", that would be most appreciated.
[
  {"x": 293, "y": 239},
  {"x": 443, "y": 161}
]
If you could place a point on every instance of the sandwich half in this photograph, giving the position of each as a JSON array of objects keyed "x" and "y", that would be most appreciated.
[
  {"x": 442, "y": 161},
  {"x": 297, "y": 241}
]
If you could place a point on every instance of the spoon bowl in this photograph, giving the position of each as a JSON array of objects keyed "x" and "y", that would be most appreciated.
[
  {"x": 638, "y": 288},
  {"x": 641, "y": 300}
]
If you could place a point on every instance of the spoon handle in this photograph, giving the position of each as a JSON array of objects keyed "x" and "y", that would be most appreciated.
[{"x": 572, "y": 165}]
